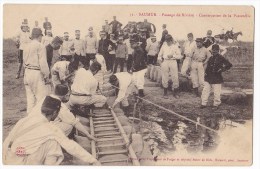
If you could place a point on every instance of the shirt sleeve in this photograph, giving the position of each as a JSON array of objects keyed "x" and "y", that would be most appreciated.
[
  {"x": 71, "y": 146},
  {"x": 122, "y": 92},
  {"x": 43, "y": 61},
  {"x": 66, "y": 116},
  {"x": 177, "y": 53}
]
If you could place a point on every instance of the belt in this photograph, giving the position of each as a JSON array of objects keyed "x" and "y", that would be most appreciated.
[
  {"x": 79, "y": 94},
  {"x": 169, "y": 59},
  {"x": 32, "y": 68}
]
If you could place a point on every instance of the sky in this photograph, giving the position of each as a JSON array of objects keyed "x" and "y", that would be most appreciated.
[{"x": 71, "y": 17}]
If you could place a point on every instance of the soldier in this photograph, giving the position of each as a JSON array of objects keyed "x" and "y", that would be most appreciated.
[
  {"x": 91, "y": 45},
  {"x": 36, "y": 141},
  {"x": 152, "y": 49},
  {"x": 36, "y": 76},
  {"x": 189, "y": 47},
  {"x": 139, "y": 67},
  {"x": 83, "y": 90},
  {"x": 213, "y": 77},
  {"x": 208, "y": 40},
  {"x": 129, "y": 60},
  {"x": 22, "y": 40},
  {"x": 112, "y": 52},
  {"x": 168, "y": 55},
  {"x": 123, "y": 81},
  {"x": 46, "y": 25},
  {"x": 46, "y": 40},
  {"x": 121, "y": 54},
  {"x": 164, "y": 33},
  {"x": 79, "y": 46},
  {"x": 115, "y": 24},
  {"x": 198, "y": 61},
  {"x": 222, "y": 48},
  {"x": 63, "y": 70},
  {"x": 54, "y": 45},
  {"x": 65, "y": 47},
  {"x": 103, "y": 47},
  {"x": 107, "y": 27}
]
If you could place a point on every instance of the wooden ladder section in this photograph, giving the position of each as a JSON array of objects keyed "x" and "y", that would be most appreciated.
[{"x": 112, "y": 145}]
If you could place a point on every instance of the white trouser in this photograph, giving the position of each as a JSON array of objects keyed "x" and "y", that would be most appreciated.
[
  {"x": 185, "y": 66},
  {"x": 100, "y": 78},
  {"x": 206, "y": 92},
  {"x": 49, "y": 153},
  {"x": 97, "y": 100},
  {"x": 35, "y": 87},
  {"x": 138, "y": 78},
  {"x": 197, "y": 74},
  {"x": 170, "y": 67}
]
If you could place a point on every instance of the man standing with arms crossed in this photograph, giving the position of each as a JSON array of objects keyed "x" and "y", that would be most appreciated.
[{"x": 36, "y": 77}]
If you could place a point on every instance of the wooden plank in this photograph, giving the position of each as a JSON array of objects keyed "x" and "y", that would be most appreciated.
[
  {"x": 130, "y": 148},
  {"x": 93, "y": 144},
  {"x": 109, "y": 139},
  {"x": 97, "y": 130},
  {"x": 116, "y": 160},
  {"x": 108, "y": 121},
  {"x": 103, "y": 118},
  {"x": 103, "y": 115},
  {"x": 105, "y": 125},
  {"x": 111, "y": 145},
  {"x": 108, "y": 134},
  {"x": 112, "y": 152}
]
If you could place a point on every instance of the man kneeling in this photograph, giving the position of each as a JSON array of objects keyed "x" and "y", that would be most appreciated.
[
  {"x": 84, "y": 87},
  {"x": 35, "y": 141}
]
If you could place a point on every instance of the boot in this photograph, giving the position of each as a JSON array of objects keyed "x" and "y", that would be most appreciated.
[
  {"x": 141, "y": 92},
  {"x": 175, "y": 93},
  {"x": 196, "y": 91},
  {"x": 165, "y": 93}
]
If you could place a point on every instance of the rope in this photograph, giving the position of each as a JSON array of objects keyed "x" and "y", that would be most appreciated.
[{"x": 172, "y": 112}]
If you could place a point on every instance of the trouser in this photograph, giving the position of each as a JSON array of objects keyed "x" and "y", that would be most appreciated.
[
  {"x": 49, "y": 153},
  {"x": 152, "y": 59},
  {"x": 64, "y": 57},
  {"x": 97, "y": 100},
  {"x": 100, "y": 78},
  {"x": 138, "y": 78},
  {"x": 111, "y": 61},
  {"x": 170, "y": 67},
  {"x": 76, "y": 60},
  {"x": 129, "y": 62},
  {"x": 197, "y": 74},
  {"x": 90, "y": 56},
  {"x": 120, "y": 62},
  {"x": 206, "y": 92},
  {"x": 185, "y": 66},
  {"x": 20, "y": 61},
  {"x": 106, "y": 57},
  {"x": 35, "y": 87}
]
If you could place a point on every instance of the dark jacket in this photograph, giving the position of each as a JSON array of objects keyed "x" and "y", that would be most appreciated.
[
  {"x": 115, "y": 25},
  {"x": 216, "y": 65},
  {"x": 164, "y": 33},
  {"x": 208, "y": 41},
  {"x": 138, "y": 59},
  {"x": 47, "y": 25},
  {"x": 103, "y": 45},
  {"x": 49, "y": 53}
]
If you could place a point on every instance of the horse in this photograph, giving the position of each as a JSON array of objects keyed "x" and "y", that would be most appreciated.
[{"x": 235, "y": 35}]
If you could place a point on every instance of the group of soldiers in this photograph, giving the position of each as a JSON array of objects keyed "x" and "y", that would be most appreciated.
[{"x": 39, "y": 137}]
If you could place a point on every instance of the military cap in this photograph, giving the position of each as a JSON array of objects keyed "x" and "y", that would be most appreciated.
[
  {"x": 199, "y": 40},
  {"x": 77, "y": 31},
  {"x": 57, "y": 39},
  {"x": 209, "y": 32},
  {"x": 102, "y": 33},
  {"x": 215, "y": 47},
  {"x": 50, "y": 104},
  {"x": 66, "y": 34},
  {"x": 190, "y": 35},
  {"x": 168, "y": 38},
  {"x": 112, "y": 79},
  {"x": 61, "y": 90}
]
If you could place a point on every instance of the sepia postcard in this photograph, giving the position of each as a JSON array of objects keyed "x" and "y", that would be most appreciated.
[{"x": 128, "y": 85}]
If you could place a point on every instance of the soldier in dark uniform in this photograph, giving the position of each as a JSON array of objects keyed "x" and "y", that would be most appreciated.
[
  {"x": 208, "y": 40},
  {"x": 164, "y": 33},
  {"x": 46, "y": 25},
  {"x": 139, "y": 66},
  {"x": 213, "y": 77},
  {"x": 54, "y": 45}
]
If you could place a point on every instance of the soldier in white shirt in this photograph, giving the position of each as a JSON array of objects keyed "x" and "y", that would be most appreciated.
[
  {"x": 90, "y": 46},
  {"x": 189, "y": 47},
  {"x": 199, "y": 59},
  {"x": 36, "y": 76},
  {"x": 65, "y": 47},
  {"x": 84, "y": 88},
  {"x": 123, "y": 81},
  {"x": 152, "y": 49},
  {"x": 130, "y": 50},
  {"x": 22, "y": 40},
  {"x": 79, "y": 46},
  {"x": 36, "y": 141},
  {"x": 168, "y": 55},
  {"x": 46, "y": 40}
]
